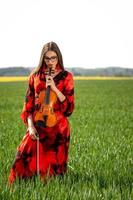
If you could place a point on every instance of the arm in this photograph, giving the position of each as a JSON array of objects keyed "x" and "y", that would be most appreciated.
[
  {"x": 50, "y": 81},
  {"x": 67, "y": 97},
  {"x": 67, "y": 106},
  {"x": 32, "y": 130},
  {"x": 60, "y": 95},
  {"x": 28, "y": 109}
]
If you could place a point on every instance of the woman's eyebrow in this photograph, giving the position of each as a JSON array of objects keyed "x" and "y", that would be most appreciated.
[{"x": 50, "y": 57}]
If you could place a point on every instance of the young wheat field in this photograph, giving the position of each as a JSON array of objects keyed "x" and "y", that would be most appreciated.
[{"x": 101, "y": 145}]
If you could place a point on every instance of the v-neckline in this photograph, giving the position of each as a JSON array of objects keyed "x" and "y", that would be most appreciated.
[{"x": 57, "y": 74}]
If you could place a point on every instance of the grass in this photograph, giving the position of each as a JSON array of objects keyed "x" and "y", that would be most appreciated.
[{"x": 101, "y": 147}]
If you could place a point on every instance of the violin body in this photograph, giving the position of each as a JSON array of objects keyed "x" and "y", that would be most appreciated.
[{"x": 45, "y": 116}]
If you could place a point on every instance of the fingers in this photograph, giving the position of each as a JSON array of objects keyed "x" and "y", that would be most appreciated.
[
  {"x": 34, "y": 137},
  {"x": 49, "y": 81},
  {"x": 37, "y": 136},
  {"x": 49, "y": 78},
  {"x": 33, "y": 133}
]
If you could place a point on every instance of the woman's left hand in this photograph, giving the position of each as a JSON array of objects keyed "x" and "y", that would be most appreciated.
[{"x": 50, "y": 81}]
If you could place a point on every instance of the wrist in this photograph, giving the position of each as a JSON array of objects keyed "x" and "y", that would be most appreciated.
[
  {"x": 31, "y": 126},
  {"x": 56, "y": 90},
  {"x": 63, "y": 99}
]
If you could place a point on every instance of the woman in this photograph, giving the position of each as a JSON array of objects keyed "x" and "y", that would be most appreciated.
[{"x": 44, "y": 148}]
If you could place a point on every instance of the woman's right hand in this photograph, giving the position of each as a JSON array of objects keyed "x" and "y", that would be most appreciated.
[{"x": 33, "y": 133}]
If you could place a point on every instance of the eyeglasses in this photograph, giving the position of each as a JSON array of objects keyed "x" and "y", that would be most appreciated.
[{"x": 53, "y": 59}]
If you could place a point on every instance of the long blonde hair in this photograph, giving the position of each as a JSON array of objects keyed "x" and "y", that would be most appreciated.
[{"x": 51, "y": 46}]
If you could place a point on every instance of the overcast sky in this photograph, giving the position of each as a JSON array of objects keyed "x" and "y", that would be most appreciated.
[{"x": 89, "y": 33}]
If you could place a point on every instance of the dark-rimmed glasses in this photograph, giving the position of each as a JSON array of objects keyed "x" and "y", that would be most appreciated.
[{"x": 53, "y": 58}]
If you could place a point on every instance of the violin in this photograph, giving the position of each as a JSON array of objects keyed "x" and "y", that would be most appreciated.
[{"x": 45, "y": 116}]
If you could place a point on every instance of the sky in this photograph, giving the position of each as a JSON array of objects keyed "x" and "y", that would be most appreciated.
[{"x": 89, "y": 33}]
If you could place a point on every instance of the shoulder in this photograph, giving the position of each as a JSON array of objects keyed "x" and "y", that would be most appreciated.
[
  {"x": 67, "y": 75},
  {"x": 69, "y": 81},
  {"x": 33, "y": 76}
]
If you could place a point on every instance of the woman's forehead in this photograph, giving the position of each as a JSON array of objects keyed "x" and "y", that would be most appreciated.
[{"x": 50, "y": 53}]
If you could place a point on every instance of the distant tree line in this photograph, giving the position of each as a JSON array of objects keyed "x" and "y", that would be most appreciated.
[{"x": 108, "y": 71}]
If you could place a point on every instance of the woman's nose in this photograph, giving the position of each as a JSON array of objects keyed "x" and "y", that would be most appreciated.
[{"x": 50, "y": 62}]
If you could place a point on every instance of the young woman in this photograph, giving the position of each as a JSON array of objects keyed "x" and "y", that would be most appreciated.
[{"x": 44, "y": 148}]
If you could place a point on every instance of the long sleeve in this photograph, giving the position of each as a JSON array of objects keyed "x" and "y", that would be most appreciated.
[
  {"x": 28, "y": 107},
  {"x": 67, "y": 106}
]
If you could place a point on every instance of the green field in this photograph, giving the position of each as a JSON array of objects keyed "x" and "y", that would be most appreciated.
[{"x": 101, "y": 147}]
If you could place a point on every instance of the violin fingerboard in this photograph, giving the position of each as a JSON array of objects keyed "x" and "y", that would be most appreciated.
[{"x": 47, "y": 97}]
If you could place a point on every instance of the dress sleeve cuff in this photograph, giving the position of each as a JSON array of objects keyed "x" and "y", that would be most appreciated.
[{"x": 24, "y": 116}]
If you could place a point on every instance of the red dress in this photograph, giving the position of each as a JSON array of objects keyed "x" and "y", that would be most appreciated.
[{"x": 53, "y": 141}]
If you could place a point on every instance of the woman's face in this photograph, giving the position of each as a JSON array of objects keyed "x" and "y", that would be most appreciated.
[{"x": 51, "y": 59}]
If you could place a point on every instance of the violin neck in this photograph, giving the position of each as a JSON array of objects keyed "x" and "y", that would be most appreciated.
[{"x": 47, "y": 97}]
